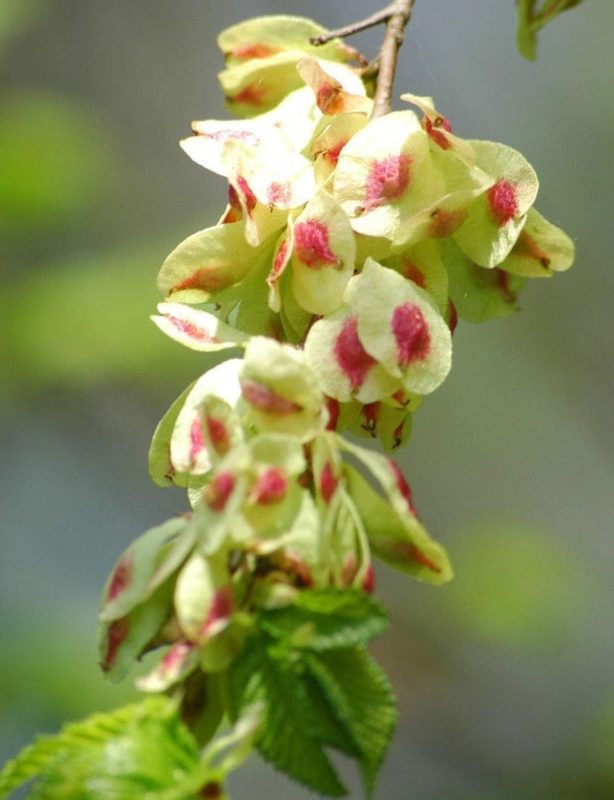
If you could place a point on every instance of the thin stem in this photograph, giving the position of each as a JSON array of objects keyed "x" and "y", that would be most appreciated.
[
  {"x": 393, "y": 39},
  {"x": 396, "y": 16},
  {"x": 355, "y": 27}
]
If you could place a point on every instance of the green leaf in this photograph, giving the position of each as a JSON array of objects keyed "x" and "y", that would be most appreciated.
[
  {"x": 359, "y": 696},
  {"x": 327, "y": 619},
  {"x": 288, "y": 737},
  {"x": 533, "y": 15},
  {"x": 133, "y": 752}
]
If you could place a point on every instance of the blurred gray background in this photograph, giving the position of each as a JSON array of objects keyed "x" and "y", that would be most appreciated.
[{"x": 504, "y": 676}]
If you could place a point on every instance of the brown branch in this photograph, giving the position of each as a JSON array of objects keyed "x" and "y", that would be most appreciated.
[
  {"x": 393, "y": 39},
  {"x": 355, "y": 27},
  {"x": 396, "y": 16}
]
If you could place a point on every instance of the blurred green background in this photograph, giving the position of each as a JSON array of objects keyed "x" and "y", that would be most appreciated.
[{"x": 504, "y": 676}]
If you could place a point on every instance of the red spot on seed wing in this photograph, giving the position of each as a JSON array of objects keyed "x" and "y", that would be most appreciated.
[
  {"x": 311, "y": 244},
  {"x": 216, "y": 494},
  {"x": 411, "y": 333},
  {"x": 397, "y": 434},
  {"x": 443, "y": 223},
  {"x": 333, "y": 153},
  {"x": 280, "y": 261},
  {"x": 271, "y": 487},
  {"x": 121, "y": 577},
  {"x": 434, "y": 129},
  {"x": 417, "y": 555},
  {"x": 279, "y": 194},
  {"x": 178, "y": 653},
  {"x": 249, "y": 198},
  {"x": 370, "y": 413},
  {"x": 255, "y": 50},
  {"x": 452, "y": 316},
  {"x": 116, "y": 634},
  {"x": 330, "y": 99},
  {"x": 351, "y": 356},
  {"x": 334, "y": 409},
  {"x": 219, "y": 612},
  {"x": 218, "y": 433},
  {"x": 233, "y": 198},
  {"x": 368, "y": 584},
  {"x": 328, "y": 482},
  {"x": 402, "y": 485},
  {"x": 196, "y": 440},
  {"x": 211, "y": 278},
  {"x": 387, "y": 180},
  {"x": 252, "y": 95},
  {"x": 264, "y": 399},
  {"x": 231, "y": 133},
  {"x": 527, "y": 246},
  {"x": 502, "y": 202},
  {"x": 190, "y": 329},
  {"x": 293, "y": 564},
  {"x": 411, "y": 271},
  {"x": 503, "y": 284}
]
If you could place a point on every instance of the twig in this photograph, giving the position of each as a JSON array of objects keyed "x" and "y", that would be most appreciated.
[
  {"x": 355, "y": 27},
  {"x": 396, "y": 16},
  {"x": 393, "y": 39}
]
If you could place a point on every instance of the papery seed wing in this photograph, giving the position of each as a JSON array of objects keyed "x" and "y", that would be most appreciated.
[
  {"x": 322, "y": 255},
  {"x": 541, "y": 249},
  {"x": 197, "y": 329},
  {"x": 399, "y": 326}
]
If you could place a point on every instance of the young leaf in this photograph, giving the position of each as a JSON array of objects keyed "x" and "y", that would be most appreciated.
[
  {"x": 358, "y": 694},
  {"x": 326, "y": 619},
  {"x": 532, "y": 16},
  {"x": 288, "y": 735},
  {"x": 128, "y": 754}
]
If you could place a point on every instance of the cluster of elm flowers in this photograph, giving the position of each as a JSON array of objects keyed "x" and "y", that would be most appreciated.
[{"x": 349, "y": 248}]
